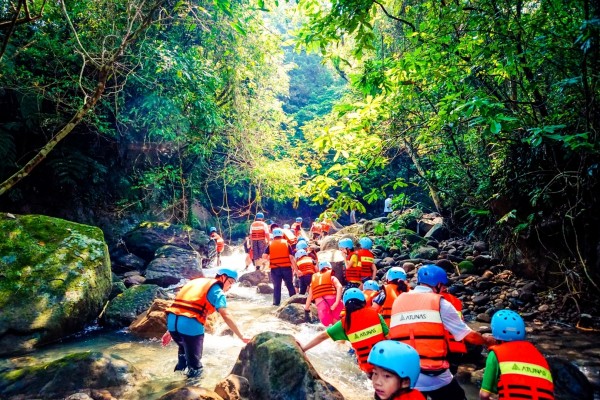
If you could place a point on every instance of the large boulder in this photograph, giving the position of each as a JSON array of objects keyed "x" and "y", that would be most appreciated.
[
  {"x": 126, "y": 307},
  {"x": 172, "y": 264},
  {"x": 150, "y": 236},
  {"x": 68, "y": 375},
  {"x": 276, "y": 368},
  {"x": 152, "y": 323},
  {"x": 54, "y": 279}
]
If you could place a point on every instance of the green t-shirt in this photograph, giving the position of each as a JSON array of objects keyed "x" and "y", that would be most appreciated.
[
  {"x": 491, "y": 374},
  {"x": 336, "y": 331}
]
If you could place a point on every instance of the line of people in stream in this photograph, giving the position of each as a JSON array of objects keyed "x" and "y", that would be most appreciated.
[{"x": 403, "y": 337}]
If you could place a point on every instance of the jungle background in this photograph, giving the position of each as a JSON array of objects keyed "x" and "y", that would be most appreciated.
[{"x": 206, "y": 112}]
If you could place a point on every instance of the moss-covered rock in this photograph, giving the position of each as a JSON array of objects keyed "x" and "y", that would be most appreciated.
[
  {"x": 55, "y": 278},
  {"x": 466, "y": 267},
  {"x": 125, "y": 308},
  {"x": 276, "y": 368},
  {"x": 77, "y": 371}
]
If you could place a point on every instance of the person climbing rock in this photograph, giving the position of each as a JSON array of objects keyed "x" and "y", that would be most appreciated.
[
  {"x": 219, "y": 242},
  {"x": 186, "y": 317},
  {"x": 361, "y": 326}
]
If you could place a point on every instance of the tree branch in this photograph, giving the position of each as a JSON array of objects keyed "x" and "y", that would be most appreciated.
[{"x": 394, "y": 17}]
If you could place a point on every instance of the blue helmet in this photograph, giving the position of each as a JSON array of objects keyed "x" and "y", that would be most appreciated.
[
  {"x": 301, "y": 245},
  {"x": 229, "y": 272},
  {"x": 301, "y": 239},
  {"x": 398, "y": 358},
  {"x": 286, "y": 226},
  {"x": 277, "y": 232},
  {"x": 299, "y": 219},
  {"x": 323, "y": 265},
  {"x": 370, "y": 285},
  {"x": 212, "y": 229},
  {"x": 301, "y": 253},
  {"x": 260, "y": 215},
  {"x": 346, "y": 243},
  {"x": 507, "y": 325},
  {"x": 432, "y": 275},
  {"x": 353, "y": 293},
  {"x": 365, "y": 243},
  {"x": 395, "y": 273}
]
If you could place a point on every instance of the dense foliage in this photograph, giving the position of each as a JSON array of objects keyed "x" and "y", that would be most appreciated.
[{"x": 494, "y": 103}]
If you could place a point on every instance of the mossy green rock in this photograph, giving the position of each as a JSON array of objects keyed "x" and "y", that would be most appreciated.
[
  {"x": 466, "y": 267},
  {"x": 54, "y": 279},
  {"x": 276, "y": 368},
  {"x": 125, "y": 308},
  {"x": 77, "y": 371}
]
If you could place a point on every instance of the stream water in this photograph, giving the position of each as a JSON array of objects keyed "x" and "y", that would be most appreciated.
[{"x": 254, "y": 313}]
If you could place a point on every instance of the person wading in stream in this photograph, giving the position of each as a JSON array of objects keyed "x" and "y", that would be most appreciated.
[
  {"x": 361, "y": 325},
  {"x": 259, "y": 235},
  {"x": 186, "y": 317},
  {"x": 326, "y": 290},
  {"x": 420, "y": 318},
  {"x": 514, "y": 368},
  {"x": 282, "y": 263}
]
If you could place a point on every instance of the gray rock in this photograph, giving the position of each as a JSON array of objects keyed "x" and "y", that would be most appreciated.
[{"x": 172, "y": 264}]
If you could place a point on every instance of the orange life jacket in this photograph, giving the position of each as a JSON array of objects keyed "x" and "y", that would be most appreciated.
[
  {"x": 453, "y": 345},
  {"x": 290, "y": 236},
  {"x": 524, "y": 372},
  {"x": 316, "y": 227},
  {"x": 219, "y": 240},
  {"x": 279, "y": 254},
  {"x": 352, "y": 273},
  {"x": 306, "y": 265},
  {"x": 416, "y": 321},
  {"x": 259, "y": 230},
  {"x": 192, "y": 301},
  {"x": 391, "y": 293},
  {"x": 326, "y": 225},
  {"x": 369, "y": 296},
  {"x": 365, "y": 260},
  {"x": 297, "y": 228},
  {"x": 322, "y": 284},
  {"x": 364, "y": 331}
]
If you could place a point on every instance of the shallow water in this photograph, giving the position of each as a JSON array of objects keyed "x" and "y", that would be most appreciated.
[{"x": 254, "y": 313}]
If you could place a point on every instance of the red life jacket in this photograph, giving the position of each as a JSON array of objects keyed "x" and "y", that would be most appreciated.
[
  {"x": 453, "y": 345},
  {"x": 219, "y": 240},
  {"x": 322, "y": 284},
  {"x": 192, "y": 301},
  {"x": 352, "y": 273},
  {"x": 414, "y": 394},
  {"x": 364, "y": 331},
  {"x": 306, "y": 265},
  {"x": 416, "y": 321},
  {"x": 259, "y": 230},
  {"x": 279, "y": 253},
  {"x": 524, "y": 372},
  {"x": 391, "y": 293},
  {"x": 365, "y": 260}
]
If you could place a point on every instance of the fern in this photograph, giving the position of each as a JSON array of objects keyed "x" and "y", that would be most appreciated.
[
  {"x": 8, "y": 150},
  {"x": 76, "y": 168}
]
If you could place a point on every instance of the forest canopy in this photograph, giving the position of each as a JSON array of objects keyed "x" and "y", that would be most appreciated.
[{"x": 484, "y": 111}]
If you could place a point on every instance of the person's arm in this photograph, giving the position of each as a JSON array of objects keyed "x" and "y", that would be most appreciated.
[
  {"x": 478, "y": 339},
  {"x": 491, "y": 375},
  {"x": 338, "y": 292},
  {"x": 373, "y": 271},
  {"x": 231, "y": 324},
  {"x": 459, "y": 329},
  {"x": 294, "y": 265},
  {"x": 309, "y": 298},
  {"x": 315, "y": 341}
]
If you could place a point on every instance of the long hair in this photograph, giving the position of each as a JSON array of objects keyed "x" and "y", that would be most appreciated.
[{"x": 351, "y": 306}]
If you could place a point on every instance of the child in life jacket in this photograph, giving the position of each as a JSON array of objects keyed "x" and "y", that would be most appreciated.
[
  {"x": 361, "y": 325},
  {"x": 395, "y": 285},
  {"x": 515, "y": 368},
  {"x": 326, "y": 290},
  {"x": 370, "y": 290},
  {"x": 395, "y": 371},
  {"x": 306, "y": 268},
  {"x": 366, "y": 259},
  {"x": 352, "y": 268}
]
